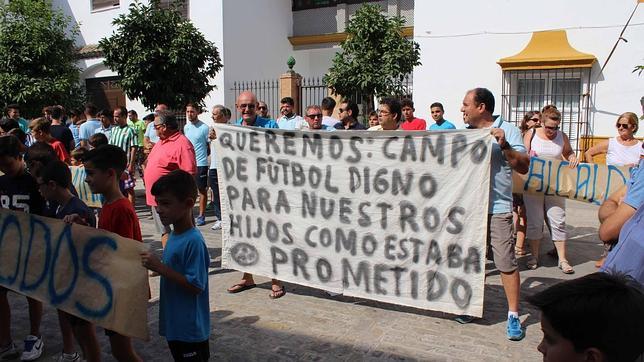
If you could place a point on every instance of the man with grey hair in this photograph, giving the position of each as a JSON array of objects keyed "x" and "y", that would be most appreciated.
[
  {"x": 173, "y": 152},
  {"x": 218, "y": 116},
  {"x": 314, "y": 118}
]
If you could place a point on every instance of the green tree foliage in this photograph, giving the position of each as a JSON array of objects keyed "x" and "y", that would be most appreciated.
[
  {"x": 160, "y": 56},
  {"x": 638, "y": 69},
  {"x": 375, "y": 57},
  {"x": 37, "y": 57}
]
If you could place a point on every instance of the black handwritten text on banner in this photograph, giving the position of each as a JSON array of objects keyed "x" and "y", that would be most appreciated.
[
  {"x": 90, "y": 273},
  {"x": 389, "y": 216}
]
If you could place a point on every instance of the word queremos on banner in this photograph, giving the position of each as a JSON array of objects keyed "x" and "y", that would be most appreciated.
[{"x": 389, "y": 216}]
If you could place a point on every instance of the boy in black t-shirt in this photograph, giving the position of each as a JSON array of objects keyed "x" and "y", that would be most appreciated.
[
  {"x": 54, "y": 180},
  {"x": 18, "y": 191}
]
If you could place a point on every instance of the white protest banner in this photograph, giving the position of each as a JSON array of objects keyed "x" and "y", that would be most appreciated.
[
  {"x": 82, "y": 188},
  {"x": 587, "y": 182},
  {"x": 90, "y": 273},
  {"x": 398, "y": 217}
]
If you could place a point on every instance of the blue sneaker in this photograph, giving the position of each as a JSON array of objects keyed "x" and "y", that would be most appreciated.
[
  {"x": 200, "y": 220},
  {"x": 515, "y": 331}
]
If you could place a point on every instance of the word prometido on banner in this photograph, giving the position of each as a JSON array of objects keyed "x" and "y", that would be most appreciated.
[
  {"x": 394, "y": 217},
  {"x": 86, "y": 272}
]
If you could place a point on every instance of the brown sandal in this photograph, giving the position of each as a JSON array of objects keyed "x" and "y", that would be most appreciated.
[
  {"x": 276, "y": 294},
  {"x": 238, "y": 288}
]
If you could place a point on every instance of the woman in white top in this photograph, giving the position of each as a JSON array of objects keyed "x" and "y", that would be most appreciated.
[
  {"x": 623, "y": 150},
  {"x": 548, "y": 141}
]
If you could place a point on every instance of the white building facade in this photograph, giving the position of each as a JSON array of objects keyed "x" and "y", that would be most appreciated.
[{"x": 464, "y": 44}]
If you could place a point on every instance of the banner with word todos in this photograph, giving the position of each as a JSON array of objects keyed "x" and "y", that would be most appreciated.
[
  {"x": 389, "y": 216},
  {"x": 587, "y": 182},
  {"x": 90, "y": 273}
]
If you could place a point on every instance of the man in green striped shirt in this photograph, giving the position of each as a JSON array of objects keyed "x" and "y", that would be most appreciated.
[{"x": 125, "y": 137}]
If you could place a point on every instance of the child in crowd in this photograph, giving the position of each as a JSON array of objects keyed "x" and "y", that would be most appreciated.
[
  {"x": 77, "y": 156},
  {"x": 41, "y": 131},
  {"x": 184, "y": 312},
  {"x": 54, "y": 181},
  {"x": 597, "y": 317},
  {"x": 104, "y": 166},
  {"x": 97, "y": 140},
  {"x": 18, "y": 191}
]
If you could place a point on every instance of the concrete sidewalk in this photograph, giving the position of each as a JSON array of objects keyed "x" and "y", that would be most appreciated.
[{"x": 307, "y": 324}]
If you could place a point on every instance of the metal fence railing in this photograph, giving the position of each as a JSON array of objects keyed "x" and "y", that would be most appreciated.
[
  {"x": 312, "y": 91},
  {"x": 530, "y": 90}
]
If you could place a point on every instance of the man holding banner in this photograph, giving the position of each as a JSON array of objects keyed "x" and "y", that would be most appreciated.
[
  {"x": 507, "y": 154},
  {"x": 247, "y": 107}
]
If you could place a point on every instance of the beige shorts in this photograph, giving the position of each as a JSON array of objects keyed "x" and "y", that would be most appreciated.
[{"x": 500, "y": 240}]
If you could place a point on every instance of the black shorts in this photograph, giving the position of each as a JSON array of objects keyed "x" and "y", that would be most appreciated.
[
  {"x": 190, "y": 351},
  {"x": 201, "y": 178}
]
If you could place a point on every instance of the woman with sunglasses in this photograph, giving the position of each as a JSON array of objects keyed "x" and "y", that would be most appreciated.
[
  {"x": 623, "y": 150},
  {"x": 548, "y": 141}
]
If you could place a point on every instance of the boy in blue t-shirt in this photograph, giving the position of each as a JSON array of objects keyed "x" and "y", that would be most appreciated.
[{"x": 184, "y": 312}]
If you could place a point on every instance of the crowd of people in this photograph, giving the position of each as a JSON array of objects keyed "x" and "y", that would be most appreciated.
[{"x": 177, "y": 164}]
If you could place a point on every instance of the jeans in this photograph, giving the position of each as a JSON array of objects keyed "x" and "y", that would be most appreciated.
[{"x": 214, "y": 186}]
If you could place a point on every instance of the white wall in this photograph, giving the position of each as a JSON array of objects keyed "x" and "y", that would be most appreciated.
[
  {"x": 256, "y": 41},
  {"x": 452, "y": 65},
  {"x": 94, "y": 25}
]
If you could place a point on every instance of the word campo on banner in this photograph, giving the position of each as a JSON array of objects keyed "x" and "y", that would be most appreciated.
[
  {"x": 399, "y": 218},
  {"x": 89, "y": 273},
  {"x": 587, "y": 182}
]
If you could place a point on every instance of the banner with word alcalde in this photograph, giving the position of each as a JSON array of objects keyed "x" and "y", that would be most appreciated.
[
  {"x": 389, "y": 216},
  {"x": 587, "y": 182},
  {"x": 82, "y": 188},
  {"x": 90, "y": 273}
]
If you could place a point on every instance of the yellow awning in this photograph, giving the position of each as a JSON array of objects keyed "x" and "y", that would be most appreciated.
[{"x": 547, "y": 50}]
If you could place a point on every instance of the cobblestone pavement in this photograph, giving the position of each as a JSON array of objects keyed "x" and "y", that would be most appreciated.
[{"x": 308, "y": 324}]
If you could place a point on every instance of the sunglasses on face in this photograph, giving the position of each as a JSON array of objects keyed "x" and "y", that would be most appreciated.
[
  {"x": 157, "y": 126},
  {"x": 552, "y": 128},
  {"x": 319, "y": 115},
  {"x": 623, "y": 125},
  {"x": 249, "y": 106},
  {"x": 534, "y": 119},
  {"x": 261, "y": 108}
]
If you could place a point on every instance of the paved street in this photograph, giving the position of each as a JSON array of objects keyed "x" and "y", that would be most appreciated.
[{"x": 307, "y": 324}]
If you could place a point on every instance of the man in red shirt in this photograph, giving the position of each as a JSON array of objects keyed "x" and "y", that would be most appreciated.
[
  {"x": 104, "y": 166},
  {"x": 173, "y": 152},
  {"x": 411, "y": 123}
]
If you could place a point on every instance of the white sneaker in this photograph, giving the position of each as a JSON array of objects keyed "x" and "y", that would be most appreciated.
[
  {"x": 69, "y": 357},
  {"x": 9, "y": 351},
  {"x": 33, "y": 348},
  {"x": 216, "y": 225}
]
